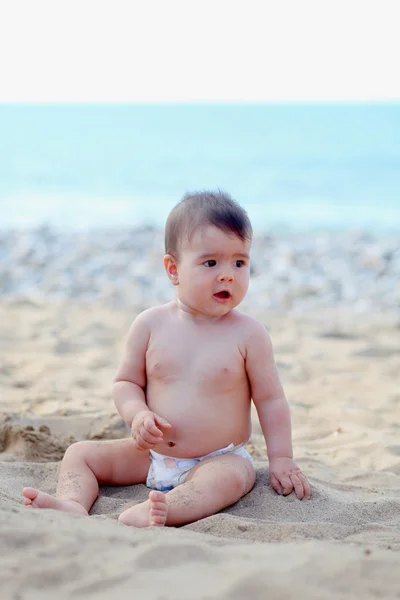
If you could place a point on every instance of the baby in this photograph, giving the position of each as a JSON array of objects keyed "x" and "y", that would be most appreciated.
[{"x": 185, "y": 385}]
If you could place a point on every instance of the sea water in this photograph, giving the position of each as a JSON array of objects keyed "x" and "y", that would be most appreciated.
[{"x": 292, "y": 166}]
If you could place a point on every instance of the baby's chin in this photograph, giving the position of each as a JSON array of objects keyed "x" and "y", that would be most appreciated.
[
  {"x": 224, "y": 308},
  {"x": 210, "y": 309}
]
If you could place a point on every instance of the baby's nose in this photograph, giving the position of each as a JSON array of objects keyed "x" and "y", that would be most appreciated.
[{"x": 225, "y": 276}]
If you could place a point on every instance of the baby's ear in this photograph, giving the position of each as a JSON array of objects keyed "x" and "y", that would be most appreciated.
[{"x": 171, "y": 268}]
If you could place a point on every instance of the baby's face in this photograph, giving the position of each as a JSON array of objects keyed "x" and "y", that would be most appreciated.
[{"x": 213, "y": 271}]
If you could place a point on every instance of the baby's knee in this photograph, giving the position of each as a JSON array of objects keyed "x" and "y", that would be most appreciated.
[
  {"x": 239, "y": 478},
  {"x": 78, "y": 451},
  {"x": 242, "y": 477}
]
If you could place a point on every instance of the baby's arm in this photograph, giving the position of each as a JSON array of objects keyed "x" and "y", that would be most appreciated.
[
  {"x": 129, "y": 387},
  {"x": 273, "y": 413},
  {"x": 130, "y": 380}
]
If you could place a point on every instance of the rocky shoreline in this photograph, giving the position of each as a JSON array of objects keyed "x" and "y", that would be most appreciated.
[{"x": 124, "y": 268}]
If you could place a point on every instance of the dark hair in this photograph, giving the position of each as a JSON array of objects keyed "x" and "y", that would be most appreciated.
[{"x": 205, "y": 208}]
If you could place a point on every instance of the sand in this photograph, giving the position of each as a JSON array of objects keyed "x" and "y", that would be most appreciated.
[{"x": 341, "y": 373}]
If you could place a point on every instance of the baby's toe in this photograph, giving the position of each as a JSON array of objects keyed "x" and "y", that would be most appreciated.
[
  {"x": 156, "y": 496},
  {"x": 158, "y": 519},
  {"x": 158, "y": 508},
  {"x": 29, "y": 493}
]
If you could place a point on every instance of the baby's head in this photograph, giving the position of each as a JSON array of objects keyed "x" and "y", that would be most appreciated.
[
  {"x": 199, "y": 209},
  {"x": 207, "y": 243}
]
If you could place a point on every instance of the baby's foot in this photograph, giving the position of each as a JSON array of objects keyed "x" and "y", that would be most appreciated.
[
  {"x": 152, "y": 513},
  {"x": 37, "y": 499}
]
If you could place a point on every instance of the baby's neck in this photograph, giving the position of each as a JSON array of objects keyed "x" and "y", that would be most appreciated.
[{"x": 187, "y": 313}]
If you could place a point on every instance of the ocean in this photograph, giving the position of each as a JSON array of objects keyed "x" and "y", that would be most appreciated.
[{"x": 292, "y": 166}]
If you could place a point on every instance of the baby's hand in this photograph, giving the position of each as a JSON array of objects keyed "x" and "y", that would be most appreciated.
[
  {"x": 146, "y": 429},
  {"x": 285, "y": 475}
]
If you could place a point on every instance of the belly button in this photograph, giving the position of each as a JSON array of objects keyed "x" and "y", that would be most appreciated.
[{"x": 171, "y": 444}]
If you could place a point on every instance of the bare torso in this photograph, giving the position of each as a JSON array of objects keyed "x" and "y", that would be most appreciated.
[{"x": 196, "y": 379}]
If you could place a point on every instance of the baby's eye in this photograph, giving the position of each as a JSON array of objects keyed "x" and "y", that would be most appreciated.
[
  {"x": 210, "y": 263},
  {"x": 239, "y": 263}
]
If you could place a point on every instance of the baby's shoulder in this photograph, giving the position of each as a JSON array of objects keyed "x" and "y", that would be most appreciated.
[
  {"x": 255, "y": 340},
  {"x": 154, "y": 315},
  {"x": 249, "y": 325}
]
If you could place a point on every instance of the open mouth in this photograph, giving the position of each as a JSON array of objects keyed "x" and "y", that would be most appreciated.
[{"x": 223, "y": 295}]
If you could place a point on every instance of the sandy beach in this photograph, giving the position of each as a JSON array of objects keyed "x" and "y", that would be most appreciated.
[{"x": 338, "y": 355}]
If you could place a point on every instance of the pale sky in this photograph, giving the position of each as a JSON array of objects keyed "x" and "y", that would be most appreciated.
[{"x": 208, "y": 50}]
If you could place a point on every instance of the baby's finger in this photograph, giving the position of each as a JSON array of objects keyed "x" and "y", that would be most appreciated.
[
  {"x": 298, "y": 485},
  {"x": 148, "y": 438},
  {"x": 151, "y": 427},
  {"x": 306, "y": 485},
  {"x": 287, "y": 485},
  {"x": 140, "y": 445},
  {"x": 161, "y": 422},
  {"x": 275, "y": 484}
]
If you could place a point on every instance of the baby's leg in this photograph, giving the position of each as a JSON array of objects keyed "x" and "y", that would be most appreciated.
[
  {"x": 211, "y": 485},
  {"x": 84, "y": 466}
]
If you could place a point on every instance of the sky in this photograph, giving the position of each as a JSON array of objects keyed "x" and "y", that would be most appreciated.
[{"x": 204, "y": 51}]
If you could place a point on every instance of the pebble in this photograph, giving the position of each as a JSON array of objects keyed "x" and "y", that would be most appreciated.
[{"x": 125, "y": 268}]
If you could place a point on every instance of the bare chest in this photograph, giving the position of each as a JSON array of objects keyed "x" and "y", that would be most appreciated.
[{"x": 216, "y": 363}]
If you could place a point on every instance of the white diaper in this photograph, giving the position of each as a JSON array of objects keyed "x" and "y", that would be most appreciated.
[{"x": 166, "y": 472}]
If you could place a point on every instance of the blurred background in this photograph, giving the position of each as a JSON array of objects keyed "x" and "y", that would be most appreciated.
[
  {"x": 111, "y": 114},
  {"x": 293, "y": 166},
  {"x": 85, "y": 190}
]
